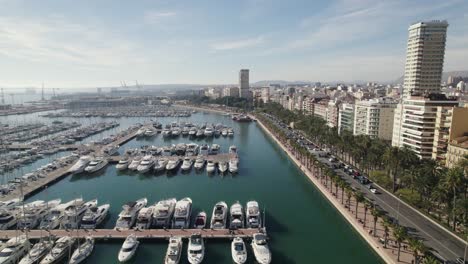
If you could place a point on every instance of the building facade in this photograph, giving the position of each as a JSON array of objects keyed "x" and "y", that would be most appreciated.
[
  {"x": 231, "y": 91},
  {"x": 346, "y": 118},
  {"x": 244, "y": 84},
  {"x": 374, "y": 118}
]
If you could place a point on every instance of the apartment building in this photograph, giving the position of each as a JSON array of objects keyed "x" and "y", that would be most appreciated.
[
  {"x": 374, "y": 118},
  {"x": 346, "y": 118}
]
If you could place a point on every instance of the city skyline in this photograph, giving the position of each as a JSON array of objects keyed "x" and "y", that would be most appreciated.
[{"x": 100, "y": 44}]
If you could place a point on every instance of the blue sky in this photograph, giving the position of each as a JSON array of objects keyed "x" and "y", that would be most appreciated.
[{"x": 91, "y": 43}]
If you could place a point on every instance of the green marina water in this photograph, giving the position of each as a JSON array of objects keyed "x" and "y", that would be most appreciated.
[{"x": 303, "y": 225}]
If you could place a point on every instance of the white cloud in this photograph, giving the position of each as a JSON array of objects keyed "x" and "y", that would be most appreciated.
[
  {"x": 155, "y": 17},
  {"x": 238, "y": 44}
]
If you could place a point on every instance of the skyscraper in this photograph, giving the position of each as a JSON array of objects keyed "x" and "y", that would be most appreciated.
[
  {"x": 425, "y": 57},
  {"x": 244, "y": 83}
]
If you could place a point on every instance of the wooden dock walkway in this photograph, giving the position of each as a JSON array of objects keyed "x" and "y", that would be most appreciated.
[{"x": 147, "y": 234}]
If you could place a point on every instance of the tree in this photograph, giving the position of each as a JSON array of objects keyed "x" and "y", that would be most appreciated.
[
  {"x": 430, "y": 260},
  {"x": 400, "y": 235},
  {"x": 366, "y": 208},
  {"x": 359, "y": 197},
  {"x": 453, "y": 180},
  {"x": 386, "y": 224},
  {"x": 417, "y": 246},
  {"x": 376, "y": 213}
]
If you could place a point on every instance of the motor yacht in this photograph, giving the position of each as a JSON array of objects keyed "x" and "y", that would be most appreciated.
[
  {"x": 129, "y": 248},
  {"x": 150, "y": 133},
  {"x": 204, "y": 150},
  {"x": 31, "y": 215},
  {"x": 37, "y": 252},
  {"x": 7, "y": 219},
  {"x": 219, "y": 216},
  {"x": 253, "y": 217},
  {"x": 199, "y": 163},
  {"x": 192, "y": 132},
  {"x": 166, "y": 132},
  {"x": 180, "y": 149},
  {"x": 214, "y": 150},
  {"x": 94, "y": 216},
  {"x": 187, "y": 164},
  {"x": 232, "y": 149},
  {"x": 96, "y": 165},
  {"x": 140, "y": 132},
  {"x": 196, "y": 249},
  {"x": 74, "y": 214},
  {"x": 238, "y": 251},
  {"x": 223, "y": 166},
  {"x": 145, "y": 218},
  {"x": 200, "y": 220},
  {"x": 53, "y": 217},
  {"x": 233, "y": 165},
  {"x": 230, "y": 132},
  {"x": 172, "y": 164},
  {"x": 146, "y": 164},
  {"x": 111, "y": 150},
  {"x": 167, "y": 151},
  {"x": 83, "y": 251},
  {"x": 9, "y": 204},
  {"x": 208, "y": 132},
  {"x": 224, "y": 132},
  {"x": 62, "y": 246},
  {"x": 200, "y": 133},
  {"x": 236, "y": 220},
  {"x": 192, "y": 149},
  {"x": 127, "y": 217},
  {"x": 14, "y": 249},
  {"x": 80, "y": 165},
  {"x": 210, "y": 166},
  {"x": 174, "y": 251},
  {"x": 183, "y": 210},
  {"x": 260, "y": 249},
  {"x": 123, "y": 164},
  {"x": 161, "y": 164},
  {"x": 163, "y": 212},
  {"x": 175, "y": 132},
  {"x": 185, "y": 131},
  {"x": 135, "y": 163}
]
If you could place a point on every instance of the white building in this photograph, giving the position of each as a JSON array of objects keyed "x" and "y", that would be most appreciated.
[
  {"x": 374, "y": 118},
  {"x": 266, "y": 94},
  {"x": 244, "y": 84},
  {"x": 346, "y": 118},
  {"x": 425, "y": 57},
  {"x": 231, "y": 91}
]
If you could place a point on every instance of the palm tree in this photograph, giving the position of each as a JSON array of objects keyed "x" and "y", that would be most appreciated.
[
  {"x": 376, "y": 213},
  {"x": 366, "y": 208},
  {"x": 400, "y": 235},
  {"x": 349, "y": 194},
  {"x": 417, "y": 246},
  {"x": 359, "y": 197},
  {"x": 386, "y": 224},
  {"x": 430, "y": 260},
  {"x": 453, "y": 180}
]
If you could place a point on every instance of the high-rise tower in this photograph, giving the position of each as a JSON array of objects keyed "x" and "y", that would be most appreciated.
[{"x": 244, "y": 83}]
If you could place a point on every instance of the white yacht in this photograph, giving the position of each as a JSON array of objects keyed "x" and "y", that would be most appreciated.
[
  {"x": 134, "y": 164},
  {"x": 37, "y": 252},
  {"x": 111, "y": 150},
  {"x": 7, "y": 219},
  {"x": 192, "y": 131},
  {"x": 145, "y": 218},
  {"x": 253, "y": 216},
  {"x": 200, "y": 220},
  {"x": 127, "y": 217},
  {"x": 166, "y": 151},
  {"x": 199, "y": 163},
  {"x": 219, "y": 216},
  {"x": 187, "y": 164},
  {"x": 238, "y": 251},
  {"x": 80, "y": 165},
  {"x": 96, "y": 165},
  {"x": 145, "y": 164},
  {"x": 129, "y": 248},
  {"x": 204, "y": 150},
  {"x": 141, "y": 132},
  {"x": 166, "y": 132},
  {"x": 53, "y": 218},
  {"x": 32, "y": 214},
  {"x": 14, "y": 249},
  {"x": 10, "y": 204},
  {"x": 183, "y": 210},
  {"x": 230, "y": 132},
  {"x": 192, "y": 149},
  {"x": 74, "y": 214},
  {"x": 161, "y": 164},
  {"x": 223, "y": 166},
  {"x": 224, "y": 132},
  {"x": 173, "y": 164},
  {"x": 94, "y": 216},
  {"x": 233, "y": 149},
  {"x": 215, "y": 149},
  {"x": 261, "y": 249},
  {"x": 59, "y": 251},
  {"x": 174, "y": 251},
  {"x": 83, "y": 251},
  {"x": 196, "y": 249},
  {"x": 163, "y": 212},
  {"x": 210, "y": 166},
  {"x": 123, "y": 164},
  {"x": 150, "y": 133},
  {"x": 208, "y": 132},
  {"x": 236, "y": 219},
  {"x": 233, "y": 165}
]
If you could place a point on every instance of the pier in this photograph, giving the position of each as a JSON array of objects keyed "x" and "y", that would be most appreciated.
[{"x": 146, "y": 234}]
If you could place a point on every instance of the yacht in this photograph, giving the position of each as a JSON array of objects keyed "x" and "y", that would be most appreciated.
[
  {"x": 199, "y": 163},
  {"x": 200, "y": 133},
  {"x": 146, "y": 164},
  {"x": 14, "y": 249},
  {"x": 200, "y": 221},
  {"x": 204, "y": 150},
  {"x": 7, "y": 219},
  {"x": 233, "y": 165},
  {"x": 140, "y": 132},
  {"x": 94, "y": 216},
  {"x": 174, "y": 251},
  {"x": 236, "y": 216},
  {"x": 59, "y": 251},
  {"x": 127, "y": 217},
  {"x": 230, "y": 132},
  {"x": 80, "y": 165},
  {"x": 238, "y": 251},
  {"x": 192, "y": 149},
  {"x": 219, "y": 216},
  {"x": 111, "y": 150},
  {"x": 180, "y": 149},
  {"x": 96, "y": 165},
  {"x": 208, "y": 132},
  {"x": 123, "y": 164},
  {"x": 145, "y": 218},
  {"x": 129, "y": 248},
  {"x": 150, "y": 133},
  {"x": 232, "y": 149},
  {"x": 196, "y": 249},
  {"x": 166, "y": 133},
  {"x": 32, "y": 214},
  {"x": 37, "y": 252},
  {"x": 83, "y": 251},
  {"x": 210, "y": 166},
  {"x": 10, "y": 204},
  {"x": 261, "y": 249},
  {"x": 183, "y": 210},
  {"x": 161, "y": 164},
  {"x": 53, "y": 218},
  {"x": 163, "y": 212},
  {"x": 192, "y": 132},
  {"x": 185, "y": 131},
  {"x": 253, "y": 217},
  {"x": 223, "y": 166},
  {"x": 187, "y": 164},
  {"x": 224, "y": 132},
  {"x": 74, "y": 214},
  {"x": 175, "y": 132},
  {"x": 172, "y": 164},
  {"x": 215, "y": 149},
  {"x": 167, "y": 151},
  {"x": 135, "y": 163}
]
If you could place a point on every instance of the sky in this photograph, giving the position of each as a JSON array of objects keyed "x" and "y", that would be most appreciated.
[{"x": 90, "y": 43}]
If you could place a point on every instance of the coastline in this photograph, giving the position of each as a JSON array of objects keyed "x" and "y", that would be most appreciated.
[{"x": 378, "y": 248}]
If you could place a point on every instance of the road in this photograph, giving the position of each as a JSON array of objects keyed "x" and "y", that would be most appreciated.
[{"x": 441, "y": 241}]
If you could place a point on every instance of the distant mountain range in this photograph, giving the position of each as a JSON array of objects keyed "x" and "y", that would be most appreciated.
[{"x": 445, "y": 75}]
